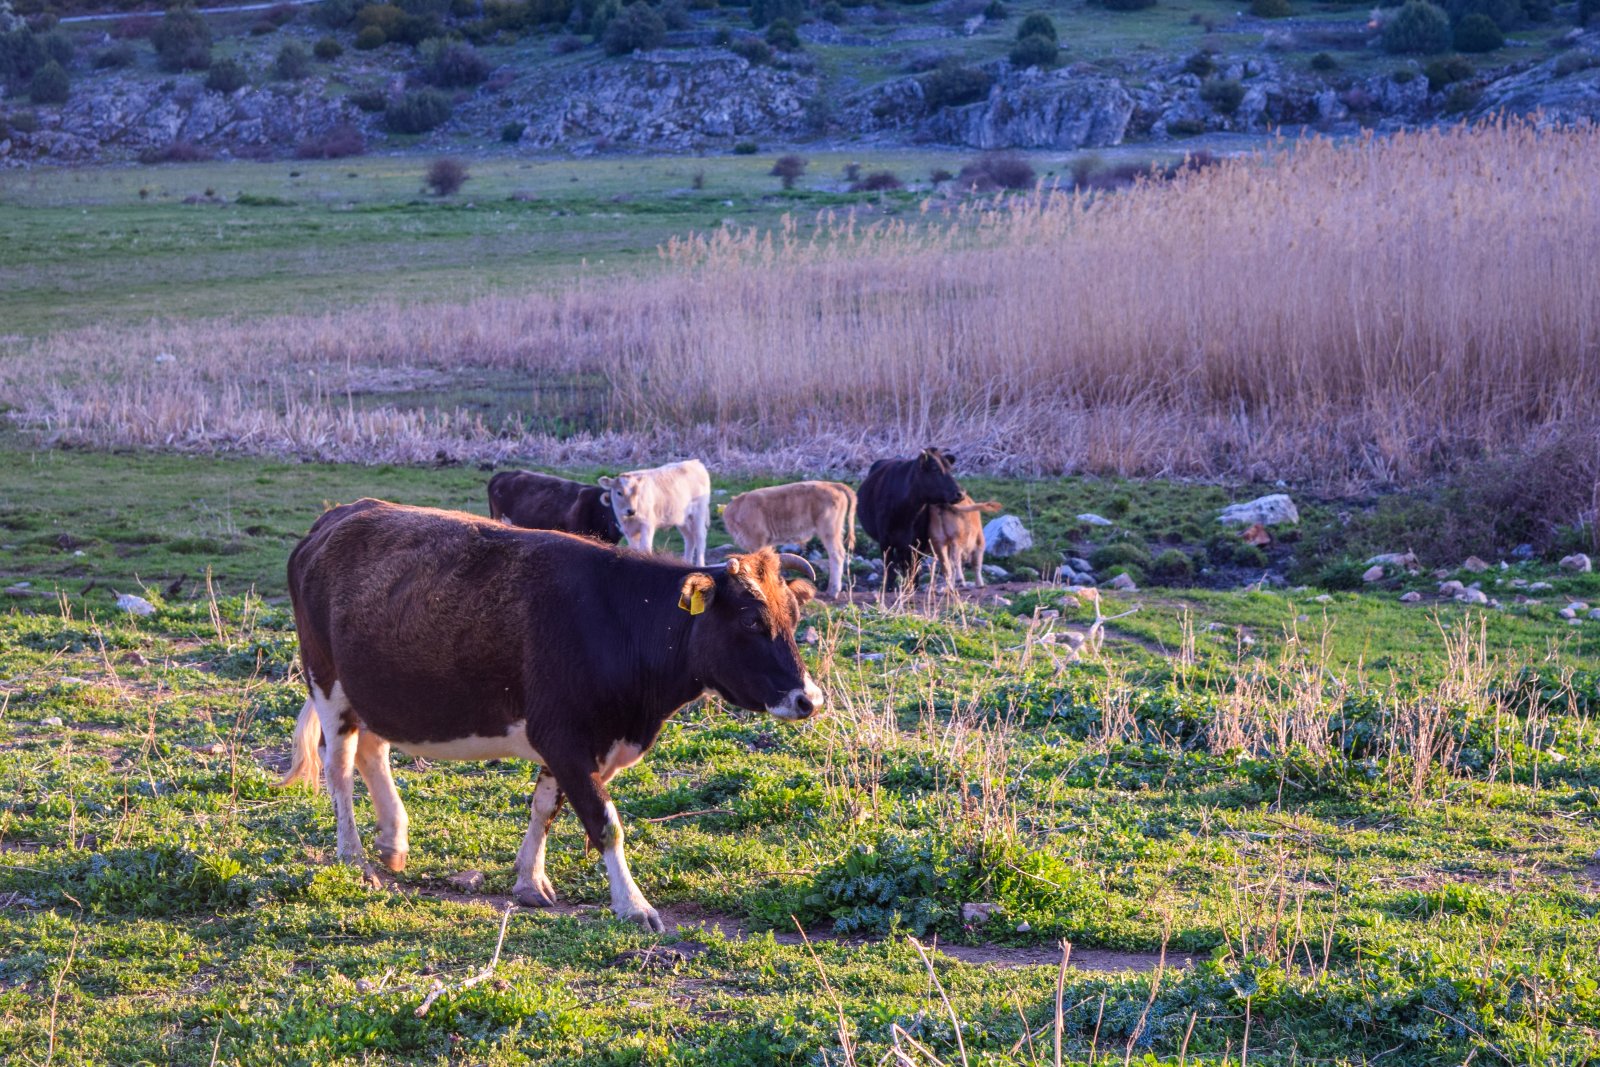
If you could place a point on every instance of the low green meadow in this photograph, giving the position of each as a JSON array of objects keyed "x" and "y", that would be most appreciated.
[{"x": 1360, "y": 830}]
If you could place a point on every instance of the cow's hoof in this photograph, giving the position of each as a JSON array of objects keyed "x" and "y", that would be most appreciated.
[
  {"x": 646, "y": 917},
  {"x": 370, "y": 877},
  {"x": 536, "y": 893},
  {"x": 395, "y": 861}
]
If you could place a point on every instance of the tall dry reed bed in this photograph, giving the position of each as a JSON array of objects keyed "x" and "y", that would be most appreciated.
[{"x": 1369, "y": 313}]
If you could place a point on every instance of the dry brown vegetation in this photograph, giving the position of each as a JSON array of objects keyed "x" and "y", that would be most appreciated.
[{"x": 1365, "y": 314}]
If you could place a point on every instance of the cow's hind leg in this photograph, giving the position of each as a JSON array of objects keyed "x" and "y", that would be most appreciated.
[
  {"x": 599, "y": 815},
  {"x": 533, "y": 885},
  {"x": 339, "y": 739},
  {"x": 372, "y": 760}
]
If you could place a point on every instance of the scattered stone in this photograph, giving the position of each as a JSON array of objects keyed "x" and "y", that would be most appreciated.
[
  {"x": 216, "y": 748},
  {"x": 808, "y": 636},
  {"x": 1275, "y": 509},
  {"x": 1578, "y": 561},
  {"x": 1523, "y": 551},
  {"x": 1082, "y": 566},
  {"x": 1540, "y": 587},
  {"x": 135, "y": 605},
  {"x": 1451, "y": 588},
  {"x": 1567, "y": 613},
  {"x": 869, "y": 657},
  {"x": 1474, "y": 564},
  {"x": 1070, "y": 603},
  {"x": 1065, "y": 575},
  {"x": 50, "y": 720},
  {"x": 1594, "y": 613},
  {"x": 660, "y": 957},
  {"x": 1406, "y": 560},
  {"x": 1256, "y": 534},
  {"x": 1373, "y": 573},
  {"x": 166, "y": 357},
  {"x": 1123, "y": 583},
  {"x": 21, "y": 589},
  {"x": 1024, "y": 927},
  {"x": 1322, "y": 598},
  {"x": 1472, "y": 596},
  {"x": 1092, "y": 519},
  {"x": 1578, "y": 606},
  {"x": 1049, "y": 613},
  {"x": 978, "y": 914},
  {"x": 468, "y": 881},
  {"x": 1004, "y": 535},
  {"x": 132, "y": 659},
  {"x": 1002, "y": 601},
  {"x": 1411, "y": 597},
  {"x": 1442, "y": 572}
]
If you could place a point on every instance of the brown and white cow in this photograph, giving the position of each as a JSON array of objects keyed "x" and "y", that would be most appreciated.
[
  {"x": 675, "y": 494},
  {"x": 452, "y": 636},
  {"x": 956, "y": 533},
  {"x": 798, "y": 512}
]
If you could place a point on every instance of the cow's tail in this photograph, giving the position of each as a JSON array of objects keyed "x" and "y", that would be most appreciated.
[
  {"x": 850, "y": 520},
  {"x": 305, "y": 762}
]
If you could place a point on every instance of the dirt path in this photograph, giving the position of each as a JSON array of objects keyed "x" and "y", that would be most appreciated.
[{"x": 688, "y": 919}]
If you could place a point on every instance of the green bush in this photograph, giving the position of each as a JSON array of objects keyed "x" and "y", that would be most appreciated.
[
  {"x": 512, "y": 132},
  {"x": 636, "y": 27},
  {"x": 1270, "y": 9},
  {"x": 452, "y": 64},
  {"x": 833, "y": 12},
  {"x": 1505, "y": 14},
  {"x": 1128, "y": 5},
  {"x": 1418, "y": 27},
  {"x": 1323, "y": 63},
  {"x": 327, "y": 49},
  {"x": 1120, "y": 554},
  {"x": 116, "y": 57},
  {"x": 1478, "y": 33},
  {"x": 781, "y": 35},
  {"x": 996, "y": 11},
  {"x": 293, "y": 62},
  {"x": 1224, "y": 94},
  {"x": 763, "y": 12},
  {"x": 1447, "y": 69},
  {"x": 1201, "y": 64},
  {"x": 50, "y": 85},
  {"x": 369, "y": 38},
  {"x": 752, "y": 49},
  {"x": 370, "y": 100},
  {"x": 1573, "y": 61},
  {"x": 1038, "y": 25},
  {"x": 226, "y": 76},
  {"x": 746, "y": 148},
  {"x": 21, "y": 55},
  {"x": 182, "y": 40},
  {"x": 1172, "y": 567},
  {"x": 951, "y": 85},
  {"x": 1034, "y": 50},
  {"x": 416, "y": 112},
  {"x": 1588, "y": 11},
  {"x": 336, "y": 14},
  {"x": 1342, "y": 574}
]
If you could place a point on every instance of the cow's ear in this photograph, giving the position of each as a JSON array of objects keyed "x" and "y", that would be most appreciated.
[
  {"x": 697, "y": 593},
  {"x": 604, "y": 482},
  {"x": 950, "y": 459},
  {"x": 605, "y": 498},
  {"x": 803, "y": 591}
]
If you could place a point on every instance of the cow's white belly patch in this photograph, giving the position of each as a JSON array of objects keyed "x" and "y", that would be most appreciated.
[{"x": 514, "y": 742}]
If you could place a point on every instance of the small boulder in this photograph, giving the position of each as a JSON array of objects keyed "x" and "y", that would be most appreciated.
[
  {"x": 1451, "y": 588},
  {"x": 1091, "y": 519},
  {"x": 50, "y": 720},
  {"x": 1256, "y": 534},
  {"x": 1411, "y": 597},
  {"x": 1567, "y": 613},
  {"x": 1578, "y": 561},
  {"x": 1123, "y": 583},
  {"x": 808, "y": 636},
  {"x": 1472, "y": 596},
  {"x": 468, "y": 881},
  {"x": 1474, "y": 564},
  {"x": 978, "y": 914},
  {"x": 1578, "y": 607},
  {"x": 1405, "y": 560},
  {"x": 1540, "y": 587},
  {"x": 1594, "y": 613},
  {"x": 1275, "y": 509},
  {"x": 1373, "y": 573},
  {"x": 997, "y": 573},
  {"x": 135, "y": 605},
  {"x": 1004, "y": 535}
]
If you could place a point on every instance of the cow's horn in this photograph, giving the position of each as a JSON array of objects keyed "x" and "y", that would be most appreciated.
[{"x": 791, "y": 562}]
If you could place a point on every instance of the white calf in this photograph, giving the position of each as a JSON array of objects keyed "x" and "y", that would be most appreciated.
[{"x": 677, "y": 494}]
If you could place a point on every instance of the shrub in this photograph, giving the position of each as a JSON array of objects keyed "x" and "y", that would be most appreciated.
[
  {"x": 1172, "y": 567},
  {"x": 1128, "y": 5},
  {"x": 833, "y": 12},
  {"x": 370, "y": 99},
  {"x": 637, "y": 27},
  {"x": 1037, "y": 25},
  {"x": 1120, "y": 554},
  {"x": 752, "y": 49},
  {"x": 1588, "y": 11},
  {"x": 1323, "y": 63},
  {"x": 369, "y": 38},
  {"x": 1002, "y": 170},
  {"x": 1441, "y": 72},
  {"x": 452, "y": 64},
  {"x": 337, "y": 143},
  {"x": 763, "y": 12},
  {"x": 1418, "y": 27},
  {"x": 512, "y": 132},
  {"x": 327, "y": 48},
  {"x": 447, "y": 176},
  {"x": 787, "y": 169},
  {"x": 292, "y": 63},
  {"x": 1341, "y": 574},
  {"x": 58, "y": 46},
  {"x": 1478, "y": 33},
  {"x": 1270, "y": 9},
  {"x": 746, "y": 148},
  {"x": 262, "y": 28},
  {"x": 879, "y": 181},
  {"x": 182, "y": 40},
  {"x": 951, "y": 85},
  {"x": 1573, "y": 61},
  {"x": 1462, "y": 97},
  {"x": 416, "y": 112},
  {"x": 939, "y": 174},
  {"x": 996, "y": 11},
  {"x": 1201, "y": 64},
  {"x": 132, "y": 27},
  {"x": 116, "y": 57},
  {"x": 335, "y": 14},
  {"x": 782, "y": 35},
  {"x": 50, "y": 85},
  {"x": 1505, "y": 14},
  {"x": 1224, "y": 94},
  {"x": 1034, "y": 51},
  {"x": 226, "y": 76},
  {"x": 176, "y": 152}
]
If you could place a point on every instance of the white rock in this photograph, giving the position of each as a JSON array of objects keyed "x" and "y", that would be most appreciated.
[
  {"x": 1451, "y": 588},
  {"x": 1411, "y": 597},
  {"x": 1474, "y": 564},
  {"x": 1578, "y": 561},
  {"x": 51, "y": 720},
  {"x": 1049, "y": 613},
  {"x": 1395, "y": 559},
  {"x": 869, "y": 657},
  {"x": 808, "y": 636},
  {"x": 1323, "y": 598},
  {"x": 1124, "y": 583},
  {"x": 1005, "y": 535},
  {"x": 1092, "y": 519},
  {"x": 135, "y": 605},
  {"x": 1472, "y": 596},
  {"x": 1567, "y": 613},
  {"x": 1540, "y": 587},
  {"x": 992, "y": 571},
  {"x": 467, "y": 881},
  {"x": 1373, "y": 573},
  {"x": 1578, "y": 607},
  {"x": 1595, "y": 614},
  {"x": 977, "y": 914},
  {"x": 1024, "y": 927},
  {"x": 166, "y": 357},
  {"x": 1272, "y": 510}
]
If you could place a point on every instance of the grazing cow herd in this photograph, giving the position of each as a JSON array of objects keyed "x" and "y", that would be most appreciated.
[{"x": 530, "y": 634}]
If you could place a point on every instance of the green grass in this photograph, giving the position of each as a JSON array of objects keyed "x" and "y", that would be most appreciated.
[{"x": 158, "y": 900}]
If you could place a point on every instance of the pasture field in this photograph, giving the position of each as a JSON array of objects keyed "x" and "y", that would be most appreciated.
[{"x": 1361, "y": 830}]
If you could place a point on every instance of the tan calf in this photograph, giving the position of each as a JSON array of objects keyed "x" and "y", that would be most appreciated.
[
  {"x": 956, "y": 532},
  {"x": 797, "y": 513}
]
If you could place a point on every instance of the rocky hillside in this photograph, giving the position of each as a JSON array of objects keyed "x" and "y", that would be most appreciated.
[{"x": 333, "y": 78}]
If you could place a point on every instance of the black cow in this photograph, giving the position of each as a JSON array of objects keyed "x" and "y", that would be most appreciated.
[
  {"x": 544, "y": 502},
  {"x": 893, "y": 503},
  {"x": 454, "y": 637}
]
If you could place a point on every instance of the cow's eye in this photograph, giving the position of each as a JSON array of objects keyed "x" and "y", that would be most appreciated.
[{"x": 754, "y": 623}]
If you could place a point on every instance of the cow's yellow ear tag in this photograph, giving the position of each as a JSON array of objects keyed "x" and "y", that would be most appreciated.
[{"x": 696, "y": 594}]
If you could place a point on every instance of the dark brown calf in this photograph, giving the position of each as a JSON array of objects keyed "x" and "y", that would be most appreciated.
[
  {"x": 545, "y": 502},
  {"x": 454, "y": 637}
]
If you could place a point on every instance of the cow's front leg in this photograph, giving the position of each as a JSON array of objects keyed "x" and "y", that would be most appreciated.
[
  {"x": 599, "y": 815},
  {"x": 533, "y": 887},
  {"x": 372, "y": 760}
]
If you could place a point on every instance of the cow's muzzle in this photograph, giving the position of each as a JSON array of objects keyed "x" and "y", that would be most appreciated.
[{"x": 799, "y": 703}]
